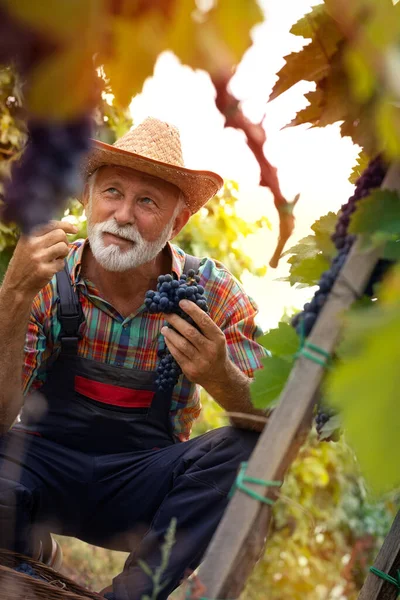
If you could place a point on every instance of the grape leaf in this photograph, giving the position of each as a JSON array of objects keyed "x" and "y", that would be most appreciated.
[
  {"x": 218, "y": 39},
  {"x": 379, "y": 212},
  {"x": 306, "y": 26},
  {"x": 137, "y": 45},
  {"x": 313, "y": 62},
  {"x": 282, "y": 341},
  {"x": 361, "y": 164},
  {"x": 269, "y": 381},
  {"x": 330, "y": 101},
  {"x": 323, "y": 229},
  {"x": 312, "y": 255},
  {"x": 310, "y": 114},
  {"x": 308, "y": 271},
  {"x": 391, "y": 250},
  {"x": 364, "y": 388},
  {"x": 63, "y": 85}
]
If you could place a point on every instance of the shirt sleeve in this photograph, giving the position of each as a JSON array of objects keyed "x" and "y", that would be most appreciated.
[
  {"x": 37, "y": 348},
  {"x": 235, "y": 313}
]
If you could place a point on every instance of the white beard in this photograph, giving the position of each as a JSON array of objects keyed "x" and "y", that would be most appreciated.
[{"x": 112, "y": 257}]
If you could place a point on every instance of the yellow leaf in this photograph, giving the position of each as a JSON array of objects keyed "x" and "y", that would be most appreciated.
[
  {"x": 136, "y": 46},
  {"x": 388, "y": 126},
  {"x": 63, "y": 85},
  {"x": 215, "y": 40},
  {"x": 362, "y": 77}
]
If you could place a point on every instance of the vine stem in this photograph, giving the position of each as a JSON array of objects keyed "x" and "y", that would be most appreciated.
[{"x": 228, "y": 105}]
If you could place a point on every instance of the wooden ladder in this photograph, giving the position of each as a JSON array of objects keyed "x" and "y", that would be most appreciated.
[{"x": 243, "y": 531}]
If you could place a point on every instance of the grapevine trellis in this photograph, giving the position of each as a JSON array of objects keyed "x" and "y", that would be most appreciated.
[{"x": 243, "y": 531}]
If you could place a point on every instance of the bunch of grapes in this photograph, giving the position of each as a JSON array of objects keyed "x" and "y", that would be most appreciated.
[
  {"x": 304, "y": 321},
  {"x": 371, "y": 178},
  {"x": 166, "y": 299},
  {"x": 48, "y": 173}
]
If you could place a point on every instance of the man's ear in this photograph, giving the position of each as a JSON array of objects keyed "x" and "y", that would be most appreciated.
[
  {"x": 85, "y": 194},
  {"x": 180, "y": 221}
]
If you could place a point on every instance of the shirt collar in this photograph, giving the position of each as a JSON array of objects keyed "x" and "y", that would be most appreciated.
[{"x": 177, "y": 255}]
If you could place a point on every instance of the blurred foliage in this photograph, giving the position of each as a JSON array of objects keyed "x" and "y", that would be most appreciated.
[
  {"x": 124, "y": 40},
  {"x": 364, "y": 386}
]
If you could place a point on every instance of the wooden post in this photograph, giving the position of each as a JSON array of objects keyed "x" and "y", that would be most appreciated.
[
  {"x": 242, "y": 533},
  {"x": 388, "y": 561}
]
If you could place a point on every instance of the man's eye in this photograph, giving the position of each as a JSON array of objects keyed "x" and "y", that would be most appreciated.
[
  {"x": 147, "y": 200},
  {"x": 113, "y": 190}
]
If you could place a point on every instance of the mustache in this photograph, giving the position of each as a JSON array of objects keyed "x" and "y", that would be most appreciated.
[{"x": 128, "y": 232}]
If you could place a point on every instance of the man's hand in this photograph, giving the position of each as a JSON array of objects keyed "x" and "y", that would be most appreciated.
[
  {"x": 38, "y": 257},
  {"x": 202, "y": 355}
]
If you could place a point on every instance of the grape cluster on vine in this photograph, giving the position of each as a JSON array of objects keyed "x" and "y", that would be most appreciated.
[
  {"x": 371, "y": 178},
  {"x": 48, "y": 173},
  {"x": 165, "y": 299},
  {"x": 305, "y": 320}
]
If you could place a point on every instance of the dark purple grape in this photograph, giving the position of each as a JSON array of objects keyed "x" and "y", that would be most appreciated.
[
  {"x": 304, "y": 321},
  {"x": 166, "y": 299},
  {"x": 48, "y": 173}
]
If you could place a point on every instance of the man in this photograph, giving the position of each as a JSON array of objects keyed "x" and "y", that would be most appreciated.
[{"x": 98, "y": 452}]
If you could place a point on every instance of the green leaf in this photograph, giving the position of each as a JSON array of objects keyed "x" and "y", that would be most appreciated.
[
  {"x": 323, "y": 229},
  {"x": 282, "y": 341},
  {"x": 361, "y": 76},
  {"x": 312, "y": 255},
  {"x": 388, "y": 125},
  {"x": 269, "y": 381},
  {"x": 365, "y": 390},
  {"x": 361, "y": 164},
  {"x": 391, "y": 250},
  {"x": 378, "y": 213},
  {"x": 309, "y": 270}
]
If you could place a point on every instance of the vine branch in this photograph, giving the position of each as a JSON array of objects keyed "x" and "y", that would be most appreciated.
[{"x": 228, "y": 105}]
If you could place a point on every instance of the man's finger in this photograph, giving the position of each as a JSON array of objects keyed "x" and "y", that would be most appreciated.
[
  {"x": 179, "y": 342},
  {"x": 180, "y": 358},
  {"x": 52, "y": 225},
  {"x": 189, "y": 332},
  {"x": 202, "y": 319}
]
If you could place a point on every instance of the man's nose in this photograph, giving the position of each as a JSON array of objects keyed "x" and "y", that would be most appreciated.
[{"x": 124, "y": 213}]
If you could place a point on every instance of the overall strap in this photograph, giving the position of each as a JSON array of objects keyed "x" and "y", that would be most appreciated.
[
  {"x": 69, "y": 312},
  {"x": 191, "y": 262}
]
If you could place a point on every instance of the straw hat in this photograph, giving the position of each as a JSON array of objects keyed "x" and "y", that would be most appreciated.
[{"x": 154, "y": 147}]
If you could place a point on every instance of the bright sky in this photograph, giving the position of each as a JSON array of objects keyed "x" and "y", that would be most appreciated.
[{"x": 313, "y": 162}]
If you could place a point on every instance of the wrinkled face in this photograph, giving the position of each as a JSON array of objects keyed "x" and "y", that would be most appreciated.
[{"x": 131, "y": 216}]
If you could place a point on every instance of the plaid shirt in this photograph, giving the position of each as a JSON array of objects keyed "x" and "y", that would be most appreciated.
[{"x": 133, "y": 342}]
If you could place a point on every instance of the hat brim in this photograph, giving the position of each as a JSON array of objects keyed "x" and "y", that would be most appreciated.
[{"x": 198, "y": 186}]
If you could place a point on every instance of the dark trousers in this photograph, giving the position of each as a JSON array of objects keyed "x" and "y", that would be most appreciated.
[{"x": 122, "y": 501}]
